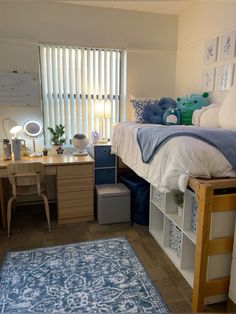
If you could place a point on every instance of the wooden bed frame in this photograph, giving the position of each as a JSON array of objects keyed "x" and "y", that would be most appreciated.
[{"x": 209, "y": 203}]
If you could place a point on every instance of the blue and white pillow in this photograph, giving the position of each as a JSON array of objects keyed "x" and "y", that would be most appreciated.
[{"x": 139, "y": 105}]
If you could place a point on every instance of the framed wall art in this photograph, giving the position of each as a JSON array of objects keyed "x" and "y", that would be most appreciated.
[
  {"x": 208, "y": 80},
  {"x": 226, "y": 76},
  {"x": 227, "y": 46},
  {"x": 210, "y": 54}
]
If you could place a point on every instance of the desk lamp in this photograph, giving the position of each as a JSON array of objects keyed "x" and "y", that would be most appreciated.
[
  {"x": 103, "y": 112},
  {"x": 15, "y": 130},
  {"x": 12, "y": 127}
]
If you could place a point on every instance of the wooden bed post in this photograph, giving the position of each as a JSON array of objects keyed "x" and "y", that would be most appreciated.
[
  {"x": 204, "y": 193},
  {"x": 208, "y": 203}
]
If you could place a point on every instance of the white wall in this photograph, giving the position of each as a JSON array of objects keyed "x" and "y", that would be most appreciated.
[
  {"x": 150, "y": 39},
  {"x": 205, "y": 20}
]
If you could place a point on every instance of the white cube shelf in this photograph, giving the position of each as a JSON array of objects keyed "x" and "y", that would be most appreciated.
[
  {"x": 166, "y": 203},
  {"x": 171, "y": 230}
]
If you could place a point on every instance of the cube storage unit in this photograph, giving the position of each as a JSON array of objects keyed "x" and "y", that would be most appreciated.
[
  {"x": 113, "y": 203},
  {"x": 105, "y": 163},
  {"x": 199, "y": 242}
]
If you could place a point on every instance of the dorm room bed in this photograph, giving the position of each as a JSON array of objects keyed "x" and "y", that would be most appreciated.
[{"x": 203, "y": 256}]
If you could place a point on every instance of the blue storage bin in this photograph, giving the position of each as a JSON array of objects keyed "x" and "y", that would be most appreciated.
[
  {"x": 103, "y": 157},
  {"x": 105, "y": 176}
]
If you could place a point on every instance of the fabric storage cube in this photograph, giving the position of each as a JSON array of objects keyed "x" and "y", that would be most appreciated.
[
  {"x": 194, "y": 215},
  {"x": 159, "y": 198},
  {"x": 175, "y": 239},
  {"x": 113, "y": 203}
]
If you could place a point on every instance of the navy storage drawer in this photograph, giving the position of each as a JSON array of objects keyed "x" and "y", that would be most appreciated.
[
  {"x": 103, "y": 157},
  {"x": 105, "y": 176}
]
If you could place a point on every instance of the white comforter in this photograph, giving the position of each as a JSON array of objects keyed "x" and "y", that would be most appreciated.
[{"x": 174, "y": 163}]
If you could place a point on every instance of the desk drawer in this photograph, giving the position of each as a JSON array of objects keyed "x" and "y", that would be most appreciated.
[
  {"x": 75, "y": 214},
  {"x": 75, "y": 171},
  {"x": 75, "y": 197},
  {"x": 75, "y": 205},
  {"x": 69, "y": 185},
  {"x": 3, "y": 173},
  {"x": 50, "y": 171}
]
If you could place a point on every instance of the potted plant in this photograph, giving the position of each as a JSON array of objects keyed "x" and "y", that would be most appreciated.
[
  {"x": 179, "y": 199},
  {"x": 57, "y": 138},
  {"x": 45, "y": 151}
]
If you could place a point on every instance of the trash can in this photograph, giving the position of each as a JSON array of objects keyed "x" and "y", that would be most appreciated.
[{"x": 140, "y": 190}]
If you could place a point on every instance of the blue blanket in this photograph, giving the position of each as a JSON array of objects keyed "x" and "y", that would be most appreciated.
[{"x": 151, "y": 139}]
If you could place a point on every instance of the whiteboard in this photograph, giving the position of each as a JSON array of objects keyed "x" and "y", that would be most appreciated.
[{"x": 19, "y": 89}]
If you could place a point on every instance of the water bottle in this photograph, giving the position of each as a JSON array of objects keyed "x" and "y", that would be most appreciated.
[
  {"x": 16, "y": 147},
  {"x": 94, "y": 137},
  {"x": 6, "y": 149}
]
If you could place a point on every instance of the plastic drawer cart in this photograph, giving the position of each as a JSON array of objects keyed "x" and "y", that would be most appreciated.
[
  {"x": 113, "y": 203},
  {"x": 105, "y": 163}
]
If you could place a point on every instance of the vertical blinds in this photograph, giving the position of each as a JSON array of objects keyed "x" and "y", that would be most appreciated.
[{"x": 77, "y": 83}]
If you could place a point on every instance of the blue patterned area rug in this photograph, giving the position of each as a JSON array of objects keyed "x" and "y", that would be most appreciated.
[{"x": 89, "y": 277}]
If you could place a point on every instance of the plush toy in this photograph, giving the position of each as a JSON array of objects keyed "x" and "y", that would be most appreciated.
[
  {"x": 167, "y": 102},
  {"x": 171, "y": 116},
  {"x": 187, "y": 105},
  {"x": 152, "y": 114}
]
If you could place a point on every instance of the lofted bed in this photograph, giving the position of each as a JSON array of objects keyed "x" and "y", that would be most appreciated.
[{"x": 204, "y": 174}]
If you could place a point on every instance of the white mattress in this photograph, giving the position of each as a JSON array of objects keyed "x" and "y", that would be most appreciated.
[{"x": 174, "y": 163}]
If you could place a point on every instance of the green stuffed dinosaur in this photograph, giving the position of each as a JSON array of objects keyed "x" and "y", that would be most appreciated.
[{"x": 187, "y": 105}]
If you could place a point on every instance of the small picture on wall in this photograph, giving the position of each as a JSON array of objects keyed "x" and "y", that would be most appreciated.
[
  {"x": 208, "y": 80},
  {"x": 226, "y": 76},
  {"x": 227, "y": 46},
  {"x": 211, "y": 51}
]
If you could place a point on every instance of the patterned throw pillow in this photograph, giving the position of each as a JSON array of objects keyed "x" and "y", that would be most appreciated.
[{"x": 139, "y": 105}]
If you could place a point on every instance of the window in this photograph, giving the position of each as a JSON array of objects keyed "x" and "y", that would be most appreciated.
[{"x": 83, "y": 89}]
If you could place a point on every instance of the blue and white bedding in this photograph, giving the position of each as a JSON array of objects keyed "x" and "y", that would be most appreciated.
[
  {"x": 177, "y": 160},
  {"x": 150, "y": 139}
]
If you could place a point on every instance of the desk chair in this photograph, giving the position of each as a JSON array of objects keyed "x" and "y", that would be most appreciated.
[{"x": 26, "y": 180}]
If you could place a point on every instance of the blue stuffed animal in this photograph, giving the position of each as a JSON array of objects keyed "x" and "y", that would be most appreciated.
[
  {"x": 171, "y": 116},
  {"x": 187, "y": 105},
  {"x": 153, "y": 113},
  {"x": 166, "y": 103}
]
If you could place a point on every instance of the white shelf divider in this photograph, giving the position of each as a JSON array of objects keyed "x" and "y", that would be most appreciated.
[
  {"x": 156, "y": 224},
  {"x": 187, "y": 259},
  {"x": 188, "y": 215}
]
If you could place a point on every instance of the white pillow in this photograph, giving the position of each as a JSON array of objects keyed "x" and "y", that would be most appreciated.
[
  {"x": 227, "y": 113},
  {"x": 207, "y": 117},
  {"x": 210, "y": 118}
]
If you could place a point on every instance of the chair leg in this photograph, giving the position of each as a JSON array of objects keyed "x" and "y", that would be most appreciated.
[
  {"x": 9, "y": 209},
  {"x": 45, "y": 199}
]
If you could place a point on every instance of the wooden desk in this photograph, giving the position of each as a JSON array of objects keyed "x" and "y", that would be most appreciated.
[{"x": 74, "y": 180}]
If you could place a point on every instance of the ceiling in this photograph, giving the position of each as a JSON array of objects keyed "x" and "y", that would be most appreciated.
[{"x": 153, "y": 6}]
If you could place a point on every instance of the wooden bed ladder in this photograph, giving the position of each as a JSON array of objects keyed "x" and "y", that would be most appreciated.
[{"x": 209, "y": 203}]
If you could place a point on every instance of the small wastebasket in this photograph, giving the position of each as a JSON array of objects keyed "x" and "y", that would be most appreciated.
[{"x": 113, "y": 203}]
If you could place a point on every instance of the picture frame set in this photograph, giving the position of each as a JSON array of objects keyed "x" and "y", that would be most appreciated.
[{"x": 226, "y": 71}]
